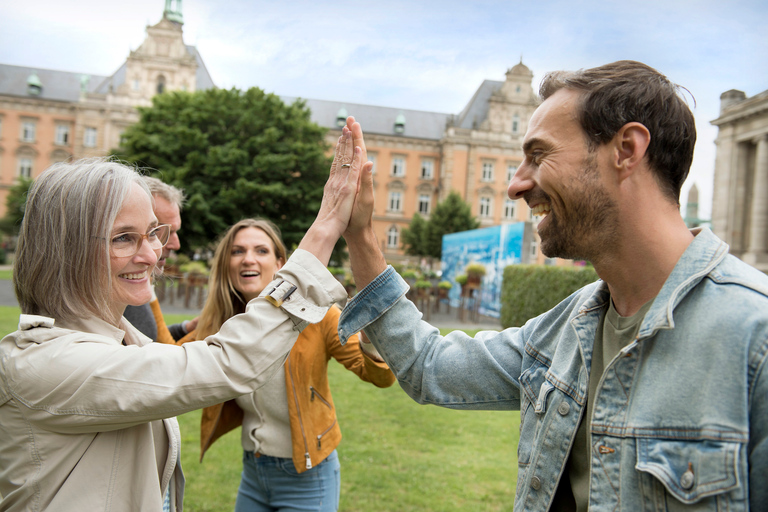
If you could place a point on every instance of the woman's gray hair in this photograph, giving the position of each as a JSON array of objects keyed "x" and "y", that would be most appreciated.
[{"x": 62, "y": 266}]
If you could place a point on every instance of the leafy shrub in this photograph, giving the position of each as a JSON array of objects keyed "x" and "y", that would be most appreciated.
[
  {"x": 444, "y": 285},
  {"x": 422, "y": 284},
  {"x": 530, "y": 290},
  {"x": 410, "y": 274},
  {"x": 179, "y": 261},
  {"x": 476, "y": 269},
  {"x": 195, "y": 267}
]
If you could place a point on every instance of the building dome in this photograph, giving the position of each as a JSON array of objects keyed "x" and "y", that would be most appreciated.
[{"x": 520, "y": 69}]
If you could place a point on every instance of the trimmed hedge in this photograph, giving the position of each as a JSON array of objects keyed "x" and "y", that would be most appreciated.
[{"x": 530, "y": 290}]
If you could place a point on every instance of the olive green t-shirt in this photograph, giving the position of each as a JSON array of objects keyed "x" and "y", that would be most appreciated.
[{"x": 614, "y": 333}]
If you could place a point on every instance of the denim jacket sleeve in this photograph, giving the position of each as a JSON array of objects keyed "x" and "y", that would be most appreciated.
[{"x": 454, "y": 371}]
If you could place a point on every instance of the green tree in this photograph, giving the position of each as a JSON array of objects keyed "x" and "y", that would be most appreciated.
[
  {"x": 451, "y": 215},
  {"x": 414, "y": 236},
  {"x": 15, "y": 203},
  {"x": 235, "y": 154}
]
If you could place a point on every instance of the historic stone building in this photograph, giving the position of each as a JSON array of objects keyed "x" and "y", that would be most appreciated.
[
  {"x": 740, "y": 201},
  {"x": 48, "y": 116},
  {"x": 419, "y": 157}
]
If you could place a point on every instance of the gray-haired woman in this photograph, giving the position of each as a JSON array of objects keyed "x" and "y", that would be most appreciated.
[{"x": 87, "y": 403}]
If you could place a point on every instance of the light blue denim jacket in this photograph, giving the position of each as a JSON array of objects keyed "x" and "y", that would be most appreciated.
[{"x": 681, "y": 414}]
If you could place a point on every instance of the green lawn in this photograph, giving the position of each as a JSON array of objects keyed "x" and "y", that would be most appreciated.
[{"x": 395, "y": 456}]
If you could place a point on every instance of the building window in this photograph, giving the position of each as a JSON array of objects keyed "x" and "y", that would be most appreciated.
[
  {"x": 28, "y": 131},
  {"x": 62, "y": 134},
  {"x": 136, "y": 84},
  {"x": 427, "y": 169},
  {"x": 534, "y": 249},
  {"x": 533, "y": 218},
  {"x": 511, "y": 170},
  {"x": 485, "y": 207},
  {"x": 510, "y": 209},
  {"x": 372, "y": 158},
  {"x": 395, "y": 201},
  {"x": 89, "y": 137},
  {"x": 398, "y": 166},
  {"x": 25, "y": 167},
  {"x": 160, "y": 84},
  {"x": 515, "y": 123},
  {"x": 424, "y": 204},
  {"x": 487, "y": 174},
  {"x": 393, "y": 237}
]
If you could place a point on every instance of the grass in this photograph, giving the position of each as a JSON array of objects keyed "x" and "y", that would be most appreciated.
[{"x": 396, "y": 455}]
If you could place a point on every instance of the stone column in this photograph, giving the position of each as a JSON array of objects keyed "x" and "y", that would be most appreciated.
[{"x": 758, "y": 239}]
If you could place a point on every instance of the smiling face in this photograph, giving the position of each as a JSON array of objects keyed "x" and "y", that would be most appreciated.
[
  {"x": 253, "y": 262},
  {"x": 131, "y": 275},
  {"x": 562, "y": 180}
]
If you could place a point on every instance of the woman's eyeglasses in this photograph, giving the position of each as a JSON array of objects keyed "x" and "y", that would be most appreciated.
[{"x": 124, "y": 245}]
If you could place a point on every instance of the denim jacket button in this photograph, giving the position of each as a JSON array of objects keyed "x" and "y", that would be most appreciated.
[
  {"x": 535, "y": 483},
  {"x": 686, "y": 481},
  {"x": 563, "y": 408}
]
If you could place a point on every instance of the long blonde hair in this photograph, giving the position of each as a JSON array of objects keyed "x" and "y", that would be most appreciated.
[{"x": 223, "y": 300}]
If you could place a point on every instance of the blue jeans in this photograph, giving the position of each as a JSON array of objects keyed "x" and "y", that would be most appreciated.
[{"x": 271, "y": 484}]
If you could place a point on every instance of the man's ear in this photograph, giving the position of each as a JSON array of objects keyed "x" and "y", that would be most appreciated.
[{"x": 630, "y": 144}]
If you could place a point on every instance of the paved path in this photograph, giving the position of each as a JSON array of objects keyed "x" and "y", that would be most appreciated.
[{"x": 443, "y": 319}]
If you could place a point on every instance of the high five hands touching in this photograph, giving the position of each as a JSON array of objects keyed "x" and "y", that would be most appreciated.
[
  {"x": 365, "y": 255},
  {"x": 340, "y": 200},
  {"x": 362, "y": 210}
]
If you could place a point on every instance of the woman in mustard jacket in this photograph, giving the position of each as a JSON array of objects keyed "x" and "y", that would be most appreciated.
[{"x": 290, "y": 431}]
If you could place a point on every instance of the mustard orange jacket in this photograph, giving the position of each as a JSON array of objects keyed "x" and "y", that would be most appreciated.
[{"x": 315, "y": 431}]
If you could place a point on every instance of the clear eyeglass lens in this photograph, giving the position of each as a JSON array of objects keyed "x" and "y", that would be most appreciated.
[{"x": 128, "y": 244}]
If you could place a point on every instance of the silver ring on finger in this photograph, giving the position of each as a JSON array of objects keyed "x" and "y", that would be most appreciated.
[{"x": 346, "y": 165}]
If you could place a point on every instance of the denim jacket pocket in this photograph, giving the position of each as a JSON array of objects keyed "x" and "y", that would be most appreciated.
[{"x": 694, "y": 470}]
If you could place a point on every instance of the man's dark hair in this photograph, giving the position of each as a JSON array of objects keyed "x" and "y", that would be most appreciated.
[{"x": 627, "y": 91}]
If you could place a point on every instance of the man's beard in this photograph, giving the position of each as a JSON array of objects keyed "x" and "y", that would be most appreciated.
[{"x": 589, "y": 227}]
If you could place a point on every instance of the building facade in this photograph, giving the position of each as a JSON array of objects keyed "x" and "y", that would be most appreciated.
[
  {"x": 49, "y": 116},
  {"x": 740, "y": 201},
  {"x": 419, "y": 157}
]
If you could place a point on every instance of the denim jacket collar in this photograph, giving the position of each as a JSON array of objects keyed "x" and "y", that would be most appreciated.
[{"x": 703, "y": 254}]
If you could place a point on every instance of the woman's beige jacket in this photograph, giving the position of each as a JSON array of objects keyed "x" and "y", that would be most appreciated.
[{"x": 81, "y": 405}]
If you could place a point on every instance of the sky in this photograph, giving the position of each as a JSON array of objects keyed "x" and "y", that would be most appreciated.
[{"x": 427, "y": 55}]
